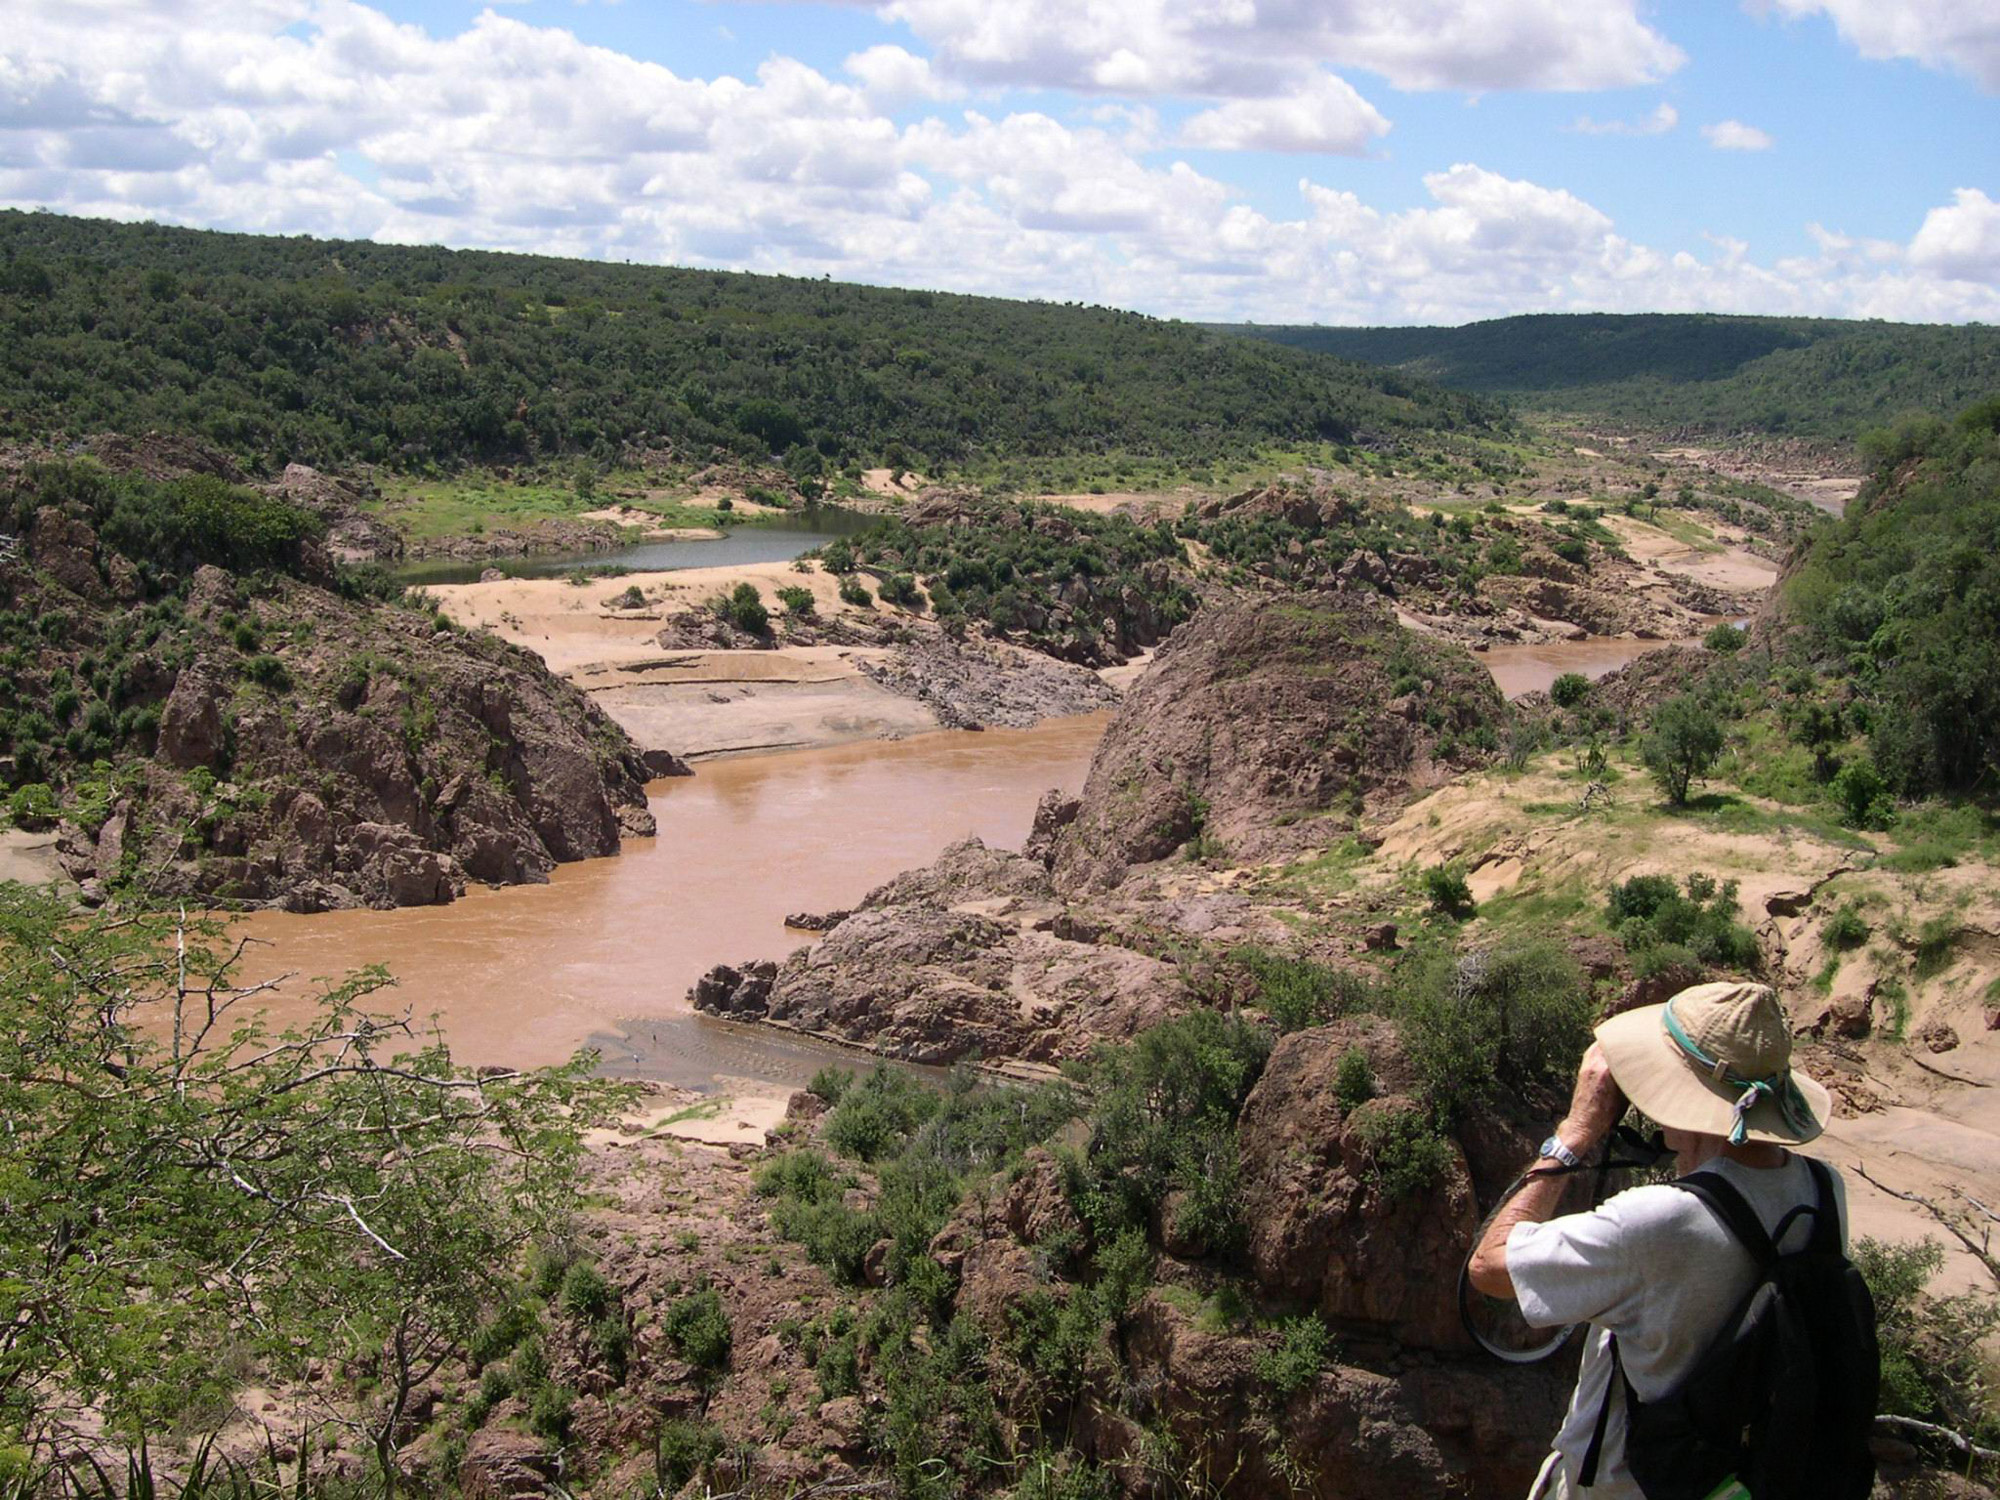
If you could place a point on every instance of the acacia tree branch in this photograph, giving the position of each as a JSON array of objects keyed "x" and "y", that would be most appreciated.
[{"x": 1953, "y": 1223}]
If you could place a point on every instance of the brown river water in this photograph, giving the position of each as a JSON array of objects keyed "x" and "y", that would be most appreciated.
[
  {"x": 605, "y": 952},
  {"x": 603, "y": 955}
]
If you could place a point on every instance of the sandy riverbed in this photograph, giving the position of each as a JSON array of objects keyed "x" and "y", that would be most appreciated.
[{"x": 695, "y": 703}]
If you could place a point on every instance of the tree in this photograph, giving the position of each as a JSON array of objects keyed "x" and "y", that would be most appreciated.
[
  {"x": 1682, "y": 746},
  {"x": 180, "y": 1182}
]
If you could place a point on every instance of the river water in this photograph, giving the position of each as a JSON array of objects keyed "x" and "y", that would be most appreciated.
[
  {"x": 609, "y": 947},
  {"x": 738, "y": 546},
  {"x": 604, "y": 953},
  {"x": 1530, "y": 669}
]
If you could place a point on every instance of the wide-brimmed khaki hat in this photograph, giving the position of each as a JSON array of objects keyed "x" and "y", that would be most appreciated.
[{"x": 1717, "y": 1060}]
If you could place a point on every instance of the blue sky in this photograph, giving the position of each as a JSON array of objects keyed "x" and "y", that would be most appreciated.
[{"x": 1337, "y": 161}]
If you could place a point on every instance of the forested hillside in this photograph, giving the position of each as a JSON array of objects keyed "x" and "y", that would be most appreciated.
[
  {"x": 329, "y": 352},
  {"x": 1809, "y": 377}
]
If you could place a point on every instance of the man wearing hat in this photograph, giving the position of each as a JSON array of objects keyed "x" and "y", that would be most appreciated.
[{"x": 1654, "y": 1266}]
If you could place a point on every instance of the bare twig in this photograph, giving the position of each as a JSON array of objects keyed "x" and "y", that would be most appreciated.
[
  {"x": 1954, "y": 1077},
  {"x": 1960, "y": 1444},
  {"x": 1980, "y": 1248}
]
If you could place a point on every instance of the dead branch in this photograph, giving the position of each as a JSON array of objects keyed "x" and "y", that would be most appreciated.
[
  {"x": 1960, "y": 1444},
  {"x": 1979, "y": 1248}
]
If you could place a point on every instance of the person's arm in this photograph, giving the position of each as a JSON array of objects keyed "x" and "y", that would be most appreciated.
[{"x": 1594, "y": 1108}]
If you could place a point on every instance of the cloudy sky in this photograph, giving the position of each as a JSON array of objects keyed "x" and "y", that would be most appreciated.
[{"x": 1334, "y": 161}]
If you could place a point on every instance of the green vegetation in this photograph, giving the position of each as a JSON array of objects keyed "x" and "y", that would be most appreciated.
[
  {"x": 744, "y": 608},
  {"x": 329, "y": 352},
  {"x": 1449, "y": 896},
  {"x": 1807, "y": 376},
  {"x": 1681, "y": 745},
  {"x": 1668, "y": 930},
  {"x": 1902, "y": 600},
  {"x": 1934, "y": 1366},
  {"x": 1570, "y": 689},
  {"x": 1048, "y": 574},
  {"x": 321, "y": 1195}
]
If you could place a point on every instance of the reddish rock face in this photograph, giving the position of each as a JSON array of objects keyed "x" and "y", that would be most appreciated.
[
  {"x": 1321, "y": 1232},
  {"x": 1261, "y": 715}
]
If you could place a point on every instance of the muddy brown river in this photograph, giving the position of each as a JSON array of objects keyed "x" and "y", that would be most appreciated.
[
  {"x": 1530, "y": 669},
  {"x": 605, "y": 952},
  {"x": 603, "y": 955}
]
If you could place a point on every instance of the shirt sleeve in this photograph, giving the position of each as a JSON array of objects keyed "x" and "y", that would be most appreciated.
[{"x": 1578, "y": 1268}]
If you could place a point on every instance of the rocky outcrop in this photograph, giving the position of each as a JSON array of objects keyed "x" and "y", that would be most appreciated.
[
  {"x": 314, "y": 751},
  {"x": 976, "y": 684},
  {"x": 956, "y": 959},
  {"x": 1262, "y": 716}
]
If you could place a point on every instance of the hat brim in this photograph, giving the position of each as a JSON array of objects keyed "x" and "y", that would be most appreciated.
[{"x": 1655, "y": 1075}]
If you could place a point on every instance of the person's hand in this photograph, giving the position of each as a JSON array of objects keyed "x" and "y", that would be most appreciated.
[{"x": 1596, "y": 1105}]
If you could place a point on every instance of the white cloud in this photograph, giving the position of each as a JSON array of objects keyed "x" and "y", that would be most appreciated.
[
  {"x": 1325, "y": 115},
  {"x": 1239, "y": 48},
  {"x": 893, "y": 76},
  {"x": 1663, "y": 118},
  {"x": 1961, "y": 240},
  {"x": 1734, "y": 135},
  {"x": 1961, "y": 35},
  {"x": 326, "y": 117}
]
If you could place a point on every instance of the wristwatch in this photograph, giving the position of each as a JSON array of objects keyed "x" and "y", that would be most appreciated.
[{"x": 1555, "y": 1150}]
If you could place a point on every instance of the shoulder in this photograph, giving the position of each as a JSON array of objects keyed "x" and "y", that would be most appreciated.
[{"x": 1658, "y": 1212}]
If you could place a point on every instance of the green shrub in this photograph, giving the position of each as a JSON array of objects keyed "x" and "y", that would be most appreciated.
[
  {"x": 634, "y": 597},
  {"x": 584, "y": 1293},
  {"x": 1406, "y": 1150},
  {"x": 698, "y": 1327},
  {"x": 33, "y": 806},
  {"x": 495, "y": 1340},
  {"x": 1299, "y": 992},
  {"x": 1681, "y": 746},
  {"x": 685, "y": 1449},
  {"x": 1449, "y": 895},
  {"x": 1656, "y": 922},
  {"x": 1353, "y": 1080},
  {"x": 877, "y": 1114},
  {"x": 1570, "y": 689},
  {"x": 798, "y": 601},
  {"x": 853, "y": 591},
  {"x": 1724, "y": 639},
  {"x": 1895, "y": 996},
  {"x": 830, "y": 1083},
  {"x": 1304, "y": 1349},
  {"x": 1164, "y": 1118},
  {"x": 744, "y": 608},
  {"x": 1846, "y": 929},
  {"x": 611, "y": 1342},
  {"x": 901, "y": 589},
  {"x": 1934, "y": 1366},
  {"x": 549, "y": 1412},
  {"x": 1502, "y": 1026},
  {"x": 1863, "y": 795},
  {"x": 268, "y": 672}
]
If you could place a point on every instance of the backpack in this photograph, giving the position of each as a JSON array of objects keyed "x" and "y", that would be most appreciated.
[{"x": 1781, "y": 1403}]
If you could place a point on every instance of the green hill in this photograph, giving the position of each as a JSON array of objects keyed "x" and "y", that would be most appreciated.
[
  {"x": 1811, "y": 377},
  {"x": 334, "y": 351}
]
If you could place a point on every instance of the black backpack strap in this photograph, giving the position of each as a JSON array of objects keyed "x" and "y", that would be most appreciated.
[
  {"x": 1826, "y": 1217},
  {"x": 1587, "y": 1476},
  {"x": 1735, "y": 1211}
]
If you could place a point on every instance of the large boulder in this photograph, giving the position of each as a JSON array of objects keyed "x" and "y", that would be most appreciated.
[
  {"x": 1262, "y": 716},
  {"x": 1322, "y": 1231},
  {"x": 191, "y": 724}
]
